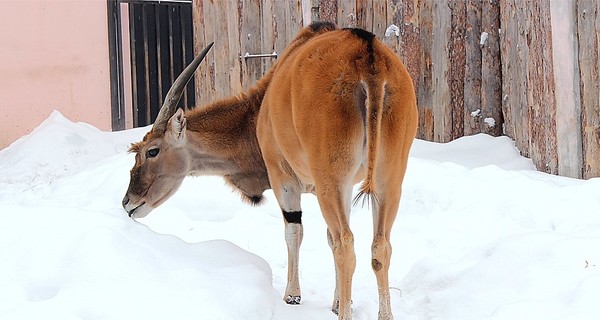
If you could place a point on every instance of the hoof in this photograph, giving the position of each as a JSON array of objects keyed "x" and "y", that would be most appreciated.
[
  {"x": 292, "y": 299},
  {"x": 335, "y": 308}
]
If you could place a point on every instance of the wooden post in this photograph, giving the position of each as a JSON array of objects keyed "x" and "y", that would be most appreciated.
[
  {"x": 380, "y": 22},
  {"x": 457, "y": 60},
  {"x": 588, "y": 27},
  {"x": 440, "y": 69},
  {"x": 513, "y": 21},
  {"x": 347, "y": 14},
  {"x": 204, "y": 77},
  {"x": 472, "y": 85},
  {"x": 425, "y": 82},
  {"x": 567, "y": 93},
  {"x": 540, "y": 94},
  {"x": 406, "y": 17},
  {"x": 491, "y": 74},
  {"x": 268, "y": 33},
  {"x": 251, "y": 41},
  {"x": 364, "y": 14}
]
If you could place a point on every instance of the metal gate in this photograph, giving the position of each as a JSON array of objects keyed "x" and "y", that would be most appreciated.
[{"x": 161, "y": 45}]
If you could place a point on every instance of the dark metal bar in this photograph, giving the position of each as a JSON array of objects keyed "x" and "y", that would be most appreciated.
[
  {"x": 164, "y": 66},
  {"x": 188, "y": 51},
  {"x": 148, "y": 115},
  {"x": 159, "y": 87},
  {"x": 142, "y": 106},
  {"x": 134, "y": 78},
  {"x": 116, "y": 71},
  {"x": 153, "y": 63},
  {"x": 170, "y": 35}
]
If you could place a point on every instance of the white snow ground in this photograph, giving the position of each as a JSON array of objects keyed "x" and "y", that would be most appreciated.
[{"x": 479, "y": 235}]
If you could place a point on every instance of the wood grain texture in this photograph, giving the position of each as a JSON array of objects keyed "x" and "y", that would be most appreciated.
[
  {"x": 472, "y": 84},
  {"x": 491, "y": 119},
  {"x": 588, "y": 26}
]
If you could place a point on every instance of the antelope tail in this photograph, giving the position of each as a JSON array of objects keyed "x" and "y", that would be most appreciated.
[{"x": 375, "y": 92}]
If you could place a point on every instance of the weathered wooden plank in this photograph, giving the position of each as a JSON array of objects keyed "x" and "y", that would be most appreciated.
[
  {"x": 425, "y": 82},
  {"x": 222, "y": 53},
  {"x": 295, "y": 18},
  {"x": 442, "y": 112},
  {"x": 204, "y": 82},
  {"x": 491, "y": 73},
  {"x": 380, "y": 18},
  {"x": 566, "y": 91},
  {"x": 234, "y": 50},
  {"x": 347, "y": 14},
  {"x": 588, "y": 20},
  {"x": 287, "y": 21},
  {"x": 514, "y": 72},
  {"x": 472, "y": 86},
  {"x": 522, "y": 114},
  {"x": 280, "y": 27},
  {"x": 540, "y": 94},
  {"x": 364, "y": 14},
  {"x": 393, "y": 15},
  {"x": 198, "y": 21},
  {"x": 457, "y": 61},
  {"x": 268, "y": 33},
  {"x": 250, "y": 41},
  {"x": 405, "y": 15}
]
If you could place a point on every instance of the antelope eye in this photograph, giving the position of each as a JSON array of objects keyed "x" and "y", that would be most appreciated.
[{"x": 152, "y": 153}]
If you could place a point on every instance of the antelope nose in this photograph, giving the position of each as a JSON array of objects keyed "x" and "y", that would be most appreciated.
[{"x": 125, "y": 202}]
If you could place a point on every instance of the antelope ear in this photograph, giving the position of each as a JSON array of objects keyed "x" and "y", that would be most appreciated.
[{"x": 177, "y": 125}]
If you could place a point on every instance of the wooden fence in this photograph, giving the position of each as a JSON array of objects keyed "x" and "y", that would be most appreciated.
[
  {"x": 551, "y": 96},
  {"x": 525, "y": 68}
]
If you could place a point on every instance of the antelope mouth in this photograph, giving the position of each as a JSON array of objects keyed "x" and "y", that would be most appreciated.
[{"x": 131, "y": 212}]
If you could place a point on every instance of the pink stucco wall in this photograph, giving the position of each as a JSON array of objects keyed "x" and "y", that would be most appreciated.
[{"x": 53, "y": 55}]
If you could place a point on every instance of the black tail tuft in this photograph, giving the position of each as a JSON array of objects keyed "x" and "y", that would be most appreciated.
[{"x": 365, "y": 197}]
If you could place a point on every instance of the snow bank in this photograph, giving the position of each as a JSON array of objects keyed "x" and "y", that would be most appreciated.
[
  {"x": 472, "y": 152},
  {"x": 55, "y": 149},
  {"x": 67, "y": 263}
]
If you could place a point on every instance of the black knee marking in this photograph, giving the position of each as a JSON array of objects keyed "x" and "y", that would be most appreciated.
[{"x": 293, "y": 217}]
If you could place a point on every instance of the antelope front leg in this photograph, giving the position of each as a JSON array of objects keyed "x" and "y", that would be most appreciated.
[
  {"x": 287, "y": 190},
  {"x": 288, "y": 195},
  {"x": 293, "y": 238}
]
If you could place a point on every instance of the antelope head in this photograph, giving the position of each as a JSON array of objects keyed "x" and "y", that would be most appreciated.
[{"x": 161, "y": 159}]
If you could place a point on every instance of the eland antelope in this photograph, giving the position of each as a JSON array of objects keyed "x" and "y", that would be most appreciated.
[{"x": 337, "y": 108}]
